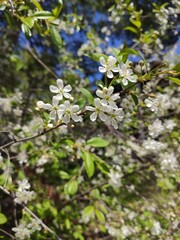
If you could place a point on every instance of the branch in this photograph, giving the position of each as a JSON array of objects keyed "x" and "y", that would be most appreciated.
[
  {"x": 103, "y": 183},
  {"x": 31, "y": 213},
  {"x": 14, "y": 141},
  {"x": 36, "y": 57}
]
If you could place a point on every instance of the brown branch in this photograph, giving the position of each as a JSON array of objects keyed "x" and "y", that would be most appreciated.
[
  {"x": 15, "y": 141},
  {"x": 103, "y": 183},
  {"x": 36, "y": 57},
  {"x": 32, "y": 214}
]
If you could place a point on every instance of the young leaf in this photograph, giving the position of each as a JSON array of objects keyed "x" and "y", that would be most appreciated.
[
  {"x": 55, "y": 36},
  {"x": 43, "y": 15},
  {"x": 3, "y": 218},
  {"x": 175, "y": 80},
  {"x": 56, "y": 11},
  {"x": 103, "y": 167},
  {"x": 88, "y": 163},
  {"x": 64, "y": 175},
  {"x": 96, "y": 56},
  {"x": 88, "y": 211},
  {"x": 26, "y": 30},
  {"x": 132, "y": 29},
  {"x": 72, "y": 187},
  {"x": 29, "y": 21},
  {"x": 136, "y": 23},
  {"x": 97, "y": 142},
  {"x": 88, "y": 95},
  {"x": 99, "y": 215},
  {"x": 135, "y": 98}
]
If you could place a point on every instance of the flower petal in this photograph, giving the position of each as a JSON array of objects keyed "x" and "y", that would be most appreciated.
[
  {"x": 93, "y": 117},
  {"x": 102, "y": 69},
  {"x": 55, "y": 101},
  {"x": 52, "y": 115},
  {"x": 110, "y": 74},
  {"x": 53, "y": 89},
  {"x": 60, "y": 83},
  {"x": 67, "y": 88},
  {"x": 111, "y": 60},
  {"x": 48, "y": 106},
  {"x": 125, "y": 81},
  {"x": 102, "y": 61}
]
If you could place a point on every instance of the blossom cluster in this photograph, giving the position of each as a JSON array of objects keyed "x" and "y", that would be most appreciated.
[
  {"x": 23, "y": 230},
  {"x": 61, "y": 108},
  {"x": 23, "y": 195},
  {"x": 106, "y": 108},
  {"x": 125, "y": 72}
]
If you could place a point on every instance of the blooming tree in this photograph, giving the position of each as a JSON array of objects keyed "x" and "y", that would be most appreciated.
[{"x": 81, "y": 158}]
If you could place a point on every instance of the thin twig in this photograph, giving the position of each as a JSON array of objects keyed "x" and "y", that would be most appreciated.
[
  {"x": 31, "y": 213},
  {"x": 8, "y": 234},
  {"x": 15, "y": 141},
  {"x": 36, "y": 57}
]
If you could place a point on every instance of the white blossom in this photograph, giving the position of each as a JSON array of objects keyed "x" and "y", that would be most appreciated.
[
  {"x": 159, "y": 104},
  {"x": 108, "y": 66},
  {"x": 115, "y": 176},
  {"x": 61, "y": 90},
  {"x": 24, "y": 196},
  {"x": 169, "y": 124},
  {"x": 99, "y": 110},
  {"x": 168, "y": 161},
  {"x": 153, "y": 145},
  {"x": 126, "y": 73},
  {"x": 40, "y": 104},
  {"x": 108, "y": 98},
  {"x": 115, "y": 116},
  {"x": 22, "y": 232},
  {"x": 67, "y": 111},
  {"x": 52, "y": 107},
  {"x": 35, "y": 225},
  {"x": 156, "y": 228},
  {"x": 23, "y": 185},
  {"x": 156, "y": 128},
  {"x": 42, "y": 160}
]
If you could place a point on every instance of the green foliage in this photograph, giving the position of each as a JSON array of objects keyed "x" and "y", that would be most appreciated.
[
  {"x": 3, "y": 219},
  {"x": 97, "y": 142}
]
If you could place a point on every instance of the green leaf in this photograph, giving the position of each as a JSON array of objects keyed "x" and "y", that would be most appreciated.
[
  {"x": 88, "y": 95},
  {"x": 55, "y": 36},
  {"x": 97, "y": 142},
  {"x": 88, "y": 163},
  {"x": 81, "y": 102},
  {"x": 127, "y": 51},
  {"x": 67, "y": 223},
  {"x": 96, "y": 56},
  {"x": 56, "y": 11},
  {"x": 136, "y": 23},
  {"x": 64, "y": 175},
  {"x": 29, "y": 21},
  {"x": 72, "y": 187},
  {"x": 26, "y": 30},
  {"x": 46, "y": 115},
  {"x": 2, "y": 7},
  {"x": 175, "y": 80},
  {"x": 103, "y": 167},
  {"x": 37, "y": 4},
  {"x": 43, "y": 15},
  {"x": 177, "y": 67},
  {"x": 135, "y": 98},
  {"x": 88, "y": 211},
  {"x": 100, "y": 216},
  {"x": 115, "y": 52},
  {"x": 95, "y": 193},
  {"x": 132, "y": 29},
  {"x": 3, "y": 218}
]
